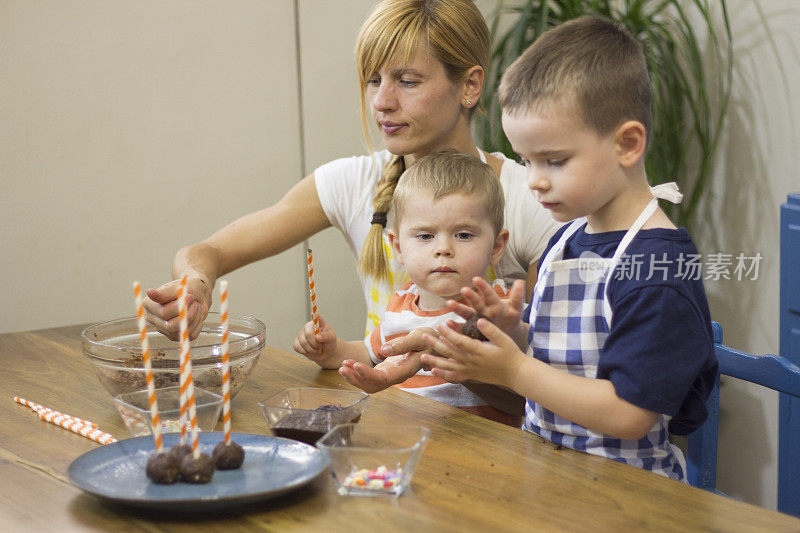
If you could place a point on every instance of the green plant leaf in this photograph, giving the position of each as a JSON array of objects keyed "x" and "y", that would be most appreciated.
[{"x": 690, "y": 62}]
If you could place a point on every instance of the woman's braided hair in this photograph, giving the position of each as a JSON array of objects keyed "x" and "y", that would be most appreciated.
[{"x": 373, "y": 260}]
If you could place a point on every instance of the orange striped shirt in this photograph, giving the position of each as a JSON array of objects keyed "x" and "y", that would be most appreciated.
[{"x": 403, "y": 316}]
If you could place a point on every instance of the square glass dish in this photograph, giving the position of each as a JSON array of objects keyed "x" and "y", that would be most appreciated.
[
  {"x": 307, "y": 413},
  {"x": 134, "y": 408},
  {"x": 373, "y": 459}
]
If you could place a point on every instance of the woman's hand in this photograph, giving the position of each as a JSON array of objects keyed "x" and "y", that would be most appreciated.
[
  {"x": 393, "y": 370},
  {"x": 161, "y": 305}
]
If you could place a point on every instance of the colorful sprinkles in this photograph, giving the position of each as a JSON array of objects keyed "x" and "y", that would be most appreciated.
[
  {"x": 172, "y": 426},
  {"x": 378, "y": 479}
]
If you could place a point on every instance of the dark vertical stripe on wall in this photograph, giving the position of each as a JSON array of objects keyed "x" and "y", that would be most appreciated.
[
  {"x": 299, "y": 75},
  {"x": 301, "y": 129}
]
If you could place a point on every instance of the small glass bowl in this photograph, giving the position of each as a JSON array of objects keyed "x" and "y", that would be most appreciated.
[
  {"x": 114, "y": 348},
  {"x": 134, "y": 408},
  {"x": 307, "y": 413},
  {"x": 373, "y": 459}
]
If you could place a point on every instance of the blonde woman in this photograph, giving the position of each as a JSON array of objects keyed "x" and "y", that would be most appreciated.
[{"x": 421, "y": 66}]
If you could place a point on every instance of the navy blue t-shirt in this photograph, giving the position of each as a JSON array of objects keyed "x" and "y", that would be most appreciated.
[{"x": 659, "y": 353}]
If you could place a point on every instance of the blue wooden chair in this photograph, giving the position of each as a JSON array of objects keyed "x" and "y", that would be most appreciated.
[
  {"x": 780, "y": 373},
  {"x": 789, "y": 427},
  {"x": 770, "y": 371}
]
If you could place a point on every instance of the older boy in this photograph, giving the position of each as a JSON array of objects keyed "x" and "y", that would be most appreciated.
[
  {"x": 622, "y": 356},
  {"x": 447, "y": 229}
]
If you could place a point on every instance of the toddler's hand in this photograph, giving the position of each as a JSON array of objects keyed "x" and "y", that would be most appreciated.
[
  {"x": 315, "y": 346},
  {"x": 391, "y": 371},
  {"x": 412, "y": 342}
]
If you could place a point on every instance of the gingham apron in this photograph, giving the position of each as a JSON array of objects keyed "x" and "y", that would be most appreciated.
[{"x": 570, "y": 321}]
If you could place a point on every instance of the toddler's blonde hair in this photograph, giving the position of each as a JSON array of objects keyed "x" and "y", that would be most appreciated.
[{"x": 451, "y": 172}]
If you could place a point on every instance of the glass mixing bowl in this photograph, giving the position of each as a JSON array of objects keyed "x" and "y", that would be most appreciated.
[{"x": 115, "y": 352}]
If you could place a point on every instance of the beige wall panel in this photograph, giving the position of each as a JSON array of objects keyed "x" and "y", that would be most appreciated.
[
  {"x": 757, "y": 168},
  {"x": 332, "y": 129},
  {"x": 130, "y": 129}
]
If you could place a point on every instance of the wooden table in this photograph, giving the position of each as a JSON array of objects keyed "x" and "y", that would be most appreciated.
[{"x": 475, "y": 475}]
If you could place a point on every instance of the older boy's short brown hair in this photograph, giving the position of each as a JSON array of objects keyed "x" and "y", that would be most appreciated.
[
  {"x": 590, "y": 59},
  {"x": 450, "y": 172}
]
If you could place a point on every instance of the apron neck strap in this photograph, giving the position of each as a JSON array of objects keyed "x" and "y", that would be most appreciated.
[
  {"x": 574, "y": 226},
  {"x": 667, "y": 191}
]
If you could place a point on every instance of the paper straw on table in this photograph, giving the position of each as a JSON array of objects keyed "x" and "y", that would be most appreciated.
[
  {"x": 226, "y": 366},
  {"x": 81, "y": 429},
  {"x": 36, "y": 407},
  {"x": 148, "y": 367},
  {"x": 187, "y": 386},
  {"x": 76, "y": 425},
  {"x": 312, "y": 291}
]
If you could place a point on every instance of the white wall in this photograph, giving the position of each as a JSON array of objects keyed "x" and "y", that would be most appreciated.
[
  {"x": 128, "y": 129},
  {"x": 757, "y": 168},
  {"x": 332, "y": 129}
]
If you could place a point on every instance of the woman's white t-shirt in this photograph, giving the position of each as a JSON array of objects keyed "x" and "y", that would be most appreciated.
[{"x": 347, "y": 186}]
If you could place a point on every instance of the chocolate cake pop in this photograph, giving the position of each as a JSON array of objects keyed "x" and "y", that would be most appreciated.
[
  {"x": 228, "y": 456},
  {"x": 199, "y": 470},
  {"x": 179, "y": 451},
  {"x": 470, "y": 328},
  {"x": 162, "y": 469}
]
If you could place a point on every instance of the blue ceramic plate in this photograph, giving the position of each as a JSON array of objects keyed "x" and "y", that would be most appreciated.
[{"x": 272, "y": 466}]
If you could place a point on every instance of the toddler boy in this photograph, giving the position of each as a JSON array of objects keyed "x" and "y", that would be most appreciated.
[{"x": 447, "y": 230}]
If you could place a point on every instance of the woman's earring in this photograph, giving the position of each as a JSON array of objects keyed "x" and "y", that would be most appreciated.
[{"x": 468, "y": 102}]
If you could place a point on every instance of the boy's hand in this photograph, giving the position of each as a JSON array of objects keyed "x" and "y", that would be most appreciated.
[
  {"x": 161, "y": 305},
  {"x": 497, "y": 361},
  {"x": 505, "y": 313},
  {"x": 316, "y": 346},
  {"x": 391, "y": 371}
]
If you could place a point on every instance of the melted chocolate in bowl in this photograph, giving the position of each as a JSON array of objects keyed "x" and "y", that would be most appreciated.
[{"x": 309, "y": 425}]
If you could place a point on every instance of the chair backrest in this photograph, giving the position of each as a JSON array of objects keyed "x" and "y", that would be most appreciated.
[
  {"x": 788, "y": 426},
  {"x": 772, "y": 371}
]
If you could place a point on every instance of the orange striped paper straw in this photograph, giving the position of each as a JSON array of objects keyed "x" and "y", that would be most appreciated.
[
  {"x": 187, "y": 386},
  {"x": 81, "y": 429},
  {"x": 312, "y": 291},
  {"x": 63, "y": 421},
  {"x": 226, "y": 366},
  {"x": 182, "y": 375},
  {"x": 49, "y": 415},
  {"x": 36, "y": 407},
  {"x": 148, "y": 366},
  {"x": 67, "y": 422}
]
